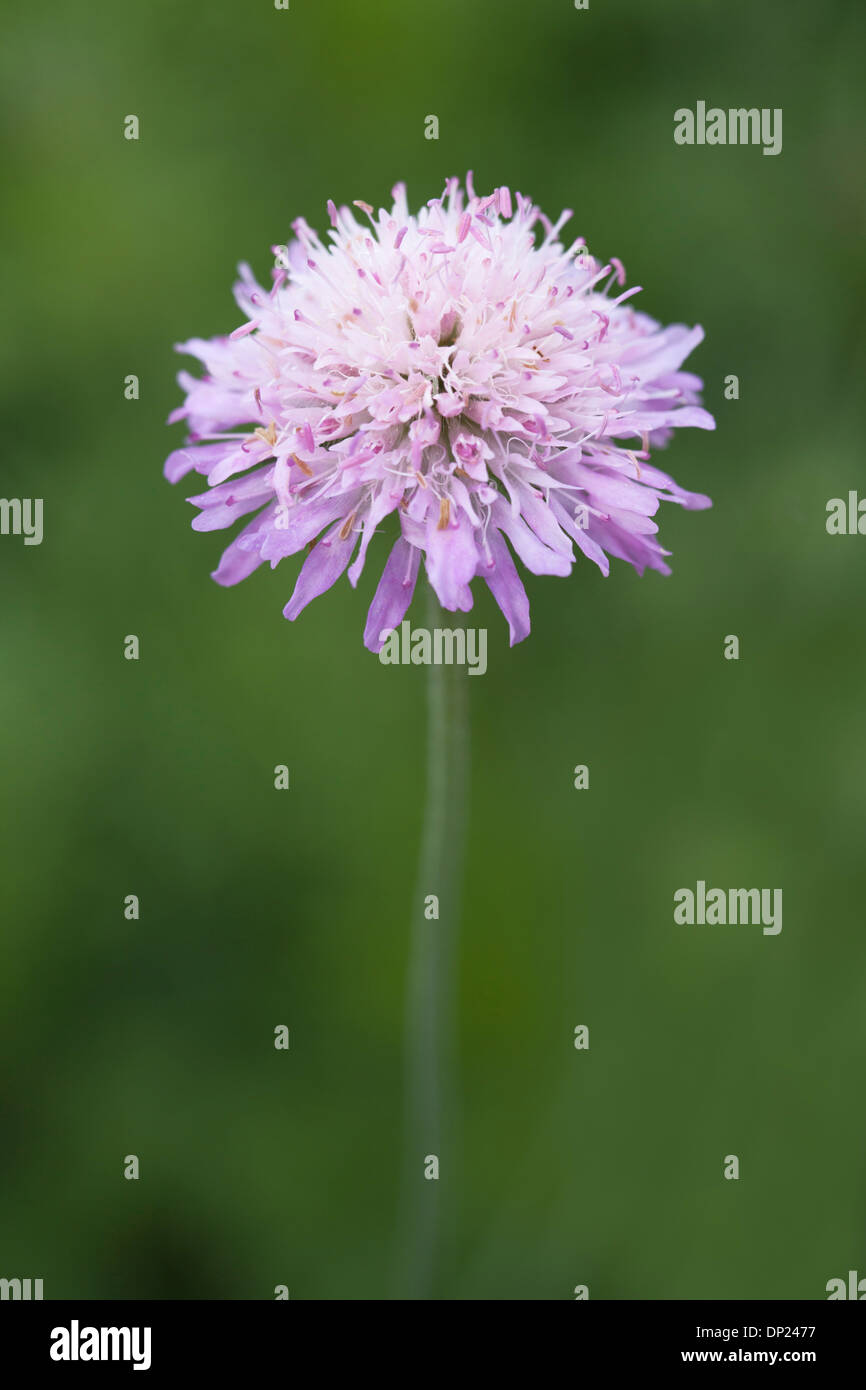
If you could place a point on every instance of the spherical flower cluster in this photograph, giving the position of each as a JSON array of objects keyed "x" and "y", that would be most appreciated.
[{"x": 462, "y": 369}]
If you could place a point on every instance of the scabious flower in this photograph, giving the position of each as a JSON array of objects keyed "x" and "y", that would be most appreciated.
[{"x": 462, "y": 369}]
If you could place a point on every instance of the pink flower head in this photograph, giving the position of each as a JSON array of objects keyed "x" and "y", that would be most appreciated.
[{"x": 463, "y": 369}]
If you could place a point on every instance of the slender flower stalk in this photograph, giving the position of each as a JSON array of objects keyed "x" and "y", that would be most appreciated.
[{"x": 430, "y": 1052}]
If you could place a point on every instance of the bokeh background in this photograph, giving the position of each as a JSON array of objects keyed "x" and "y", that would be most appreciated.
[{"x": 155, "y": 1037}]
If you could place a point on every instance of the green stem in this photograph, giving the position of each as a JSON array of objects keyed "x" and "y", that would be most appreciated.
[{"x": 431, "y": 984}]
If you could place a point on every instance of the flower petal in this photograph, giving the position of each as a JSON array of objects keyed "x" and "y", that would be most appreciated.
[
  {"x": 505, "y": 585},
  {"x": 321, "y": 569},
  {"x": 393, "y": 594}
]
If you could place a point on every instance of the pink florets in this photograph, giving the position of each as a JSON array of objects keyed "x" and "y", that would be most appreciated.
[{"x": 461, "y": 368}]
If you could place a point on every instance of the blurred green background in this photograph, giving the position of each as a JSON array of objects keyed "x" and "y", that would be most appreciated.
[{"x": 258, "y": 908}]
